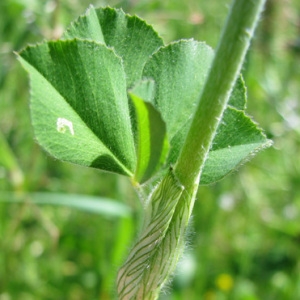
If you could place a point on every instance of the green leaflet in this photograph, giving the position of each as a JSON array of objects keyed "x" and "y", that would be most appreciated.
[
  {"x": 132, "y": 38},
  {"x": 152, "y": 143},
  {"x": 179, "y": 71},
  {"x": 237, "y": 139},
  {"x": 79, "y": 104}
]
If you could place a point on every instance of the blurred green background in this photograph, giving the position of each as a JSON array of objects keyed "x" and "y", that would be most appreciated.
[{"x": 244, "y": 238}]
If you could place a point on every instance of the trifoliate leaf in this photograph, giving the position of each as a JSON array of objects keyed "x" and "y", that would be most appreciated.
[{"x": 81, "y": 112}]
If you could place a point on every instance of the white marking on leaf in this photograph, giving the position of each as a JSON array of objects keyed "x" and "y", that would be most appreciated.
[{"x": 62, "y": 124}]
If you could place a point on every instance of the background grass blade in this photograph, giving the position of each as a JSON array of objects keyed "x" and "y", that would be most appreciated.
[{"x": 98, "y": 205}]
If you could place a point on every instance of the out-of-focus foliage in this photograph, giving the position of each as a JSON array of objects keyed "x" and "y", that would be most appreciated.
[{"x": 244, "y": 238}]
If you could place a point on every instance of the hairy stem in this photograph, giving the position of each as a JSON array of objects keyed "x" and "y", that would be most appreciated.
[
  {"x": 230, "y": 53},
  {"x": 155, "y": 255},
  {"x": 152, "y": 258}
]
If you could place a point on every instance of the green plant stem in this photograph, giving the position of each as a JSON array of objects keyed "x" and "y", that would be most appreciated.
[
  {"x": 229, "y": 57},
  {"x": 155, "y": 255}
]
